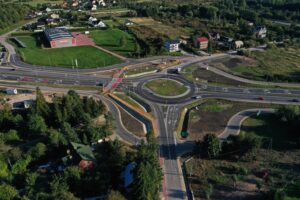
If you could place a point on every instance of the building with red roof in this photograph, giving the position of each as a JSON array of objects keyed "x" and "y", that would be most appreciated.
[{"x": 201, "y": 42}]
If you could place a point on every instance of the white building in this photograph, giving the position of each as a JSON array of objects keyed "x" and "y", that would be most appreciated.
[
  {"x": 260, "y": 32},
  {"x": 11, "y": 91},
  {"x": 172, "y": 46}
]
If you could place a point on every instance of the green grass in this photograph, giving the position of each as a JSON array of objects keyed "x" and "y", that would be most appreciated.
[
  {"x": 281, "y": 63},
  {"x": 110, "y": 39},
  {"x": 127, "y": 99},
  {"x": 166, "y": 87},
  {"x": 87, "y": 56},
  {"x": 140, "y": 70},
  {"x": 293, "y": 191},
  {"x": 215, "y": 106},
  {"x": 269, "y": 126}
]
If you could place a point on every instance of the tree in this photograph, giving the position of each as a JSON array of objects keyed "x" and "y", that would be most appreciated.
[
  {"x": 72, "y": 175},
  {"x": 211, "y": 146},
  {"x": 7, "y": 192},
  {"x": 115, "y": 195},
  {"x": 37, "y": 125},
  {"x": 69, "y": 132},
  {"x": 40, "y": 106},
  {"x": 37, "y": 151},
  {"x": 148, "y": 173},
  {"x": 30, "y": 183}
]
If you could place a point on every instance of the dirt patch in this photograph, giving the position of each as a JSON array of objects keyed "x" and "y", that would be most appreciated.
[
  {"x": 212, "y": 116},
  {"x": 100, "y": 120},
  {"x": 131, "y": 124},
  {"x": 229, "y": 63}
]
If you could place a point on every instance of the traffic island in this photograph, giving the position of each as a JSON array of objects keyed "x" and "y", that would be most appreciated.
[{"x": 166, "y": 87}]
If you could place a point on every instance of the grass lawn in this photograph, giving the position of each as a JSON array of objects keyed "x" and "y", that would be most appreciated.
[
  {"x": 166, "y": 87},
  {"x": 278, "y": 64},
  {"x": 127, "y": 99},
  {"x": 87, "y": 56},
  {"x": 111, "y": 39}
]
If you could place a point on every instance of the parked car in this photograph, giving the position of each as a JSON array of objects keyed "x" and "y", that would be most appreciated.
[{"x": 261, "y": 98}]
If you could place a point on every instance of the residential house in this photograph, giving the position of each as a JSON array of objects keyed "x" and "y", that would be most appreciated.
[
  {"x": 201, "y": 42},
  {"x": 40, "y": 25},
  {"x": 128, "y": 22},
  {"x": 260, "y": 32},
  {"x": 172, "y": 46},
  {"x": 214, "y": 36},
  {"x": 184, "y": 39},
  {"x": 238, "y": 44},
  {"x": 83, "y": 155},
  {"x": 11, "y": 91},
  {"x": 227, "y": 42},
  {"x": 93, "y": 21}
]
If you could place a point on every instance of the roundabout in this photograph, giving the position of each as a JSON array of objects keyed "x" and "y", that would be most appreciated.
[{"x": 166, "y": 89}]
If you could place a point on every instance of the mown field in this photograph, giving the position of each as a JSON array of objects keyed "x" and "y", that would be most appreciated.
[
  {"x": 87, "y": 56},
  {"x": 112, "y": 40}
]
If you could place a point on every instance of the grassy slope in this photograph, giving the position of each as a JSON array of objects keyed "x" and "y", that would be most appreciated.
[
  {"x": 88, "y": 57},
  {"x": 166, "y": 87},
  {"x": 110, "y": 39},
  {"x": 278, "y": 61}
]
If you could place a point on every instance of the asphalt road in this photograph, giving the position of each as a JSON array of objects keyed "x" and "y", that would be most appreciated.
[
  {"x": 234, "y": 124},
  {"x": 165, "y": 109}
]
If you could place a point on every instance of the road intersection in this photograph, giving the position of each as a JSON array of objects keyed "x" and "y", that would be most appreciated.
[{"x": 165, "y": 109}]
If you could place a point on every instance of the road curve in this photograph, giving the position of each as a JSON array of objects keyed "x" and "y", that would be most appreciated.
[{"x": 235, "y": 122}]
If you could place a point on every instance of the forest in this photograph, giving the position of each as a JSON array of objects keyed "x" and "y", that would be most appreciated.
[
  {"x": 35, "y": 159},
  {"x": 11, "y": 13}
]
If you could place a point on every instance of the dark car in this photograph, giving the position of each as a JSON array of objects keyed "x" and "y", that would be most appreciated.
[
  {"x": 261, "y": 98},
  {"x": 295, "y": 100}
]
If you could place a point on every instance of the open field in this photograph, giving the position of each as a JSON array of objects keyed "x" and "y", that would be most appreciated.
[
  {"x": 166, "y": 87},
  {"x": 111, "y": 39},
  {"x": 281, "y": 163},
  {"x": 276, "y": 64},
  {"x": 200, "y": 75},
  {"x": 212, "y": 116},
  {"x": 87, "y": 56},
  {"x": 159, "y": 27},
  {"x": 35, "y": 2}
]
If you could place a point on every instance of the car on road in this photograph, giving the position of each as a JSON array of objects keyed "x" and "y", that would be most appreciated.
[
  {"x": 295, "y": 100},
  {"x": 197, "y": 97},
  {"x": 261, "y": 98}
]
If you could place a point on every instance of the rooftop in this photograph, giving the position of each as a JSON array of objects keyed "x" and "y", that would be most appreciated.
[
  {"x": 57, "y": 33},
  {"x": 84, "y": 151},
  {"x": 202, "y": 39}
]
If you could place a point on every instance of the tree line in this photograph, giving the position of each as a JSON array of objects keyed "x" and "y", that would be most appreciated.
[{"x": 11, "y": 13}]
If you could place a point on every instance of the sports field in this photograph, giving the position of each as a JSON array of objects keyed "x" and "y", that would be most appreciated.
[
  {"x": 87, "y": 56},
  {"x": 112, "y": 40}
]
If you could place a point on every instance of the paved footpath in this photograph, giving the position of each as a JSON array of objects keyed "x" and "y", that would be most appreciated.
[{"x": 234, "y": 124}]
